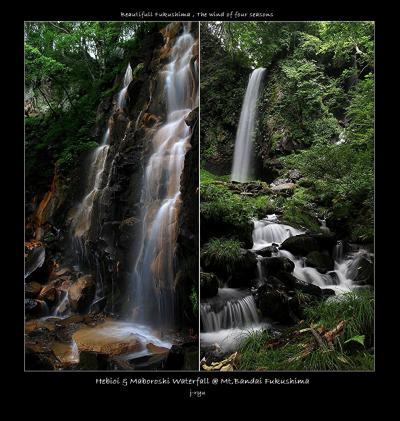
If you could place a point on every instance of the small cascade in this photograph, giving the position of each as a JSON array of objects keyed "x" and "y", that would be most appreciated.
[
  {"x": 267, "y": 232},
  {"x": 121, "y": 99},
  {"x": 227, "y": 318},
  {"x": 236, "y": 311},
  {"x": 62, "y": 309},
  {"x": 246, "y": 128}
]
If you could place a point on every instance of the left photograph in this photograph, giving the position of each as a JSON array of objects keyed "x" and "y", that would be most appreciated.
[{"x": 111, "y": 195}]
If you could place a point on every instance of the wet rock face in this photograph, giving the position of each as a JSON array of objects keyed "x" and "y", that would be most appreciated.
[
  {"x": 32, "y": 289},
  {"x": 81, "y": 293}
]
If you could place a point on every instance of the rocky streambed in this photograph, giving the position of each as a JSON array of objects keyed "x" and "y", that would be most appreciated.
[{"x": 285, "y": 271}]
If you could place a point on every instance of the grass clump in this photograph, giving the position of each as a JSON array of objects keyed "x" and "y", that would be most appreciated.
[
  {"x": 296, "y": 348},
  {"x": 222, "y": 253}
]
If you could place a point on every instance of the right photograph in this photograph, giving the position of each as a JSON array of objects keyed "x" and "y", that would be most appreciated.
[{"x": 287, "y": 196}]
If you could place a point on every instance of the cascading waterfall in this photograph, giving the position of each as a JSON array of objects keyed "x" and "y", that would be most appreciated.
[
  {"x": 246, "y": 129},
  {"x": 227, "y": 317},
  {"x": 267, "y": 232},
  {"x": 237, "y": 310},
  {"x": 154, "y": 268},
  {"x": 340, "y": 279},
  {"x": 82, "y": 218}
]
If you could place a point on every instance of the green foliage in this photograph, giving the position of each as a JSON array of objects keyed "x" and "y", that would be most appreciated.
[
  {"x": 207, "y": 177},
  {"x": 194, "y": 299},
  {"x": 219, "y": 203},
  {"x": 343, "y": 183},
  {"x": 298, "y": 210},
  {"x": 224, "y": 253},
  {"x": 360, "y": 113},
  {"x": 70, "y": 68},
  {"x": 355, "y": 309}
]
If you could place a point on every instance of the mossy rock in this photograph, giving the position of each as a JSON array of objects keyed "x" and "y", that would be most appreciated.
[
  {"x": 320, "y": 261},
  {"x": 209, "y": 284}
]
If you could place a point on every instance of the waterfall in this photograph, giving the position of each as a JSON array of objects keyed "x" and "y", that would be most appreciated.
[
  {"x": 340, "y": 279},
  {"x": 235, "y": 312},
  {"x": 267, "y": 231},
  {"x": 246, "y": 129},
  {"x": 82, "y": 219},
  {"x": 121, "y": 100},
  {"x": 154, "y": 265}
]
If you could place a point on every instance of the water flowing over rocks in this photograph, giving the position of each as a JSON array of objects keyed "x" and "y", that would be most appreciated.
[{"x": 87, "y": 226}]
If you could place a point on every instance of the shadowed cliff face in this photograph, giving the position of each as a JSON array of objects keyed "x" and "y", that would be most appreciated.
[{"x": 110, "y": 234}]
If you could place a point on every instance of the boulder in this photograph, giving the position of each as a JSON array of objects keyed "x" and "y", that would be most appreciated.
[
  {"x": 361, "y": 271},
  {"x": 294, "y": 175},
  {"x": 35, "y": 308},
  {"x": 273, "y": 265},
  {"x": 310, "y": 289},
  {"x": 34, "y": 260},
  {"x": 301, "y": 245},
  {"x": 322, "y": 262},
  {"x": 286, "y": 278},
  {"x": 209, "y": 285},
  {"x": 326, "y": 240},
  {"x": 155, "y": 349},
  {"x": 267, "y": 251},
  {"x": 284, "y": 189},
  {"x": 175, "y": 359},
  {"x": 104, "y": 339},
  {"x": 81, "y": 293},
  {"x": 273, "y": 304},
  {"x": 244, "y": 271},
  {"x": 49, "y": 294},
  {"x": 32, "y": 289}
]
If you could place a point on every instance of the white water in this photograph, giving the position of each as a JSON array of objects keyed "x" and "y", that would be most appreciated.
[
  {"x": 154, "y": 271},
  {"x": 228, "y": 318},
  {"x": 237, "y": 310},
  {"x": 121, "y": 100},
  {"x": 267, "y": 232},
  {"x": 232, "y": 314},
  {"x": 340, "y": 279},
  {"x": 246, "y": 128}
]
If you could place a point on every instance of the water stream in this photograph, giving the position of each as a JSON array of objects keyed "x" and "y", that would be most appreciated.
[{"x": 228, "y": 317}]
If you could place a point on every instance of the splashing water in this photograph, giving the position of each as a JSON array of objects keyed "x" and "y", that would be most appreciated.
[
  {"x": 246, "y": 128},
  {"x": 267, "y": 231}
]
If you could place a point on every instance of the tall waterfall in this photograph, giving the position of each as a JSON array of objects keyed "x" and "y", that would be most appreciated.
[
  {"x": 154, "y": 267},
  {"x": 82, "y": 220},
  {"x": 246, "y": 129}
]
